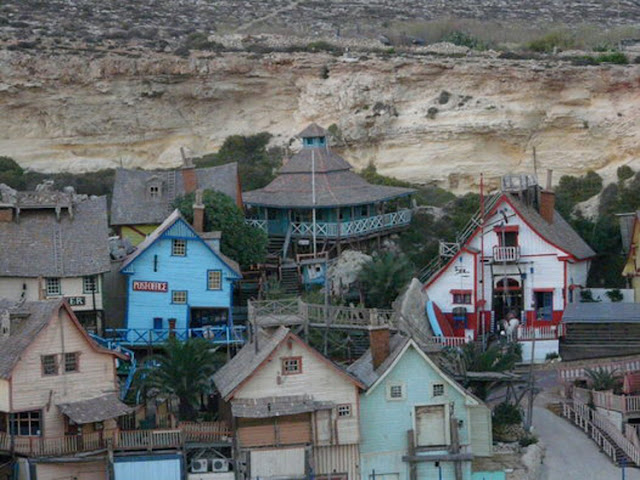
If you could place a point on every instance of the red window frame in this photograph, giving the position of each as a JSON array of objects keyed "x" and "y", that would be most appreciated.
[
  {"x": 461, "y": 293},
  {"x": 283, "y": 361},
  {"x": 508, "y": 229}
]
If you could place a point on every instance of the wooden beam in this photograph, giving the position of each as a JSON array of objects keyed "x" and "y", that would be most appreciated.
[{"x": 439, "y": 457}]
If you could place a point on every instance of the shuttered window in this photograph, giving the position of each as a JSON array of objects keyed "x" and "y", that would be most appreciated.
[{"x": 431, "y": 426}]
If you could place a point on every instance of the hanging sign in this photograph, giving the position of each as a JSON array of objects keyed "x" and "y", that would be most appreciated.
[
  {"x": 144, "y": 286},
  {"x": 76, "y": 301}
]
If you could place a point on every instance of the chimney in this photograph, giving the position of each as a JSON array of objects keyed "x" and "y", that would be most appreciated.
[
  {"x": 189, "y": 179},
  {"x": 198, "y": 212},
  {"x": 379, "y": 343},
  {"x": 6, "y": 213},
  {"x": 548, "y": 200},
  {"x": 5, "y": 324}
]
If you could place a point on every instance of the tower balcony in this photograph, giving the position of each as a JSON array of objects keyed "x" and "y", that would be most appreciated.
[{"x": 506, "y": 254}]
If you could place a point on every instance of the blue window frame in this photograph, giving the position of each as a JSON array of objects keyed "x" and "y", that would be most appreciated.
[
  {"x": 544, "y": 304},
  {"x": 157, "y": 323}
]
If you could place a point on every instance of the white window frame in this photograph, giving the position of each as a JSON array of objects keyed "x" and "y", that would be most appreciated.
[
  {"x": 440, "y": 390},
  {"x": 53, "y": 286},
  {"x": 90, "y": 284},
  {"x": 394, "y": 385},
  {"x": 178, "y": 247},
  {"x": 76, "y": 364},
  {"x": 176, "y": 294},
  {"x": 214, "y": 283}
]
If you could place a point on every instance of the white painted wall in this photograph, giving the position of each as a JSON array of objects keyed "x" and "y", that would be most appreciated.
[
  {"x": 279, "y": 463},
  {"x": 600, "y": 294},
  {"x": 12, "y": 288},
  {"x": 4, "y": 396}
]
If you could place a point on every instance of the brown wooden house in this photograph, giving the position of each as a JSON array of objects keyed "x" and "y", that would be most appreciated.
[{"x": 295, "y": 412}]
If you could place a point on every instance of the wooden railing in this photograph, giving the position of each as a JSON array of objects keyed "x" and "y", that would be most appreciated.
[
  {"x": 570, "y": 373},
  {"x": 506, "y": 254},
  {"x": 609, "y": 400},
  {"x": 205, "y": 432},
  {"x": 269, "y": 313},
  {"x": 602, "y": 423},
  {"x": 631, "y": 434},
  {"x": 550, "y": 332},
  {"x": 580, "y": 416},
  {"x": 217, "y": 335}
]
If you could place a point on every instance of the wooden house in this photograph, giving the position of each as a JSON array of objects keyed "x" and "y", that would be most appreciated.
[
  {"x": 415, "y": 421},
  {"x": 525, "y": 260},
  {"x": 316, "y": 196},
  {"x": 178, "y": 284},
  {"x": 58, "y": 391},
  {"x": 295, "y": 412},
  {"x": 630, "y": 230},
  {"x": 55, "y": 245},
  {"x": 142, "y": 199},
  {"x": 593, "y": 330}
]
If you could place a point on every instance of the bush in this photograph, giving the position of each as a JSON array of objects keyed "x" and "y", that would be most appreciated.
[
  {"x": 549, "y": 42},
  {"x": 552, "y": 356},
  {"x": 615, "y": 295},
  {"x": 322, "y": 46},
  {"x": 624, "y": 172},
  {"x": 11, "y": 173},
  {"x": 614, "y": 57},
  {"x": 507, "y": 414},
  {"x": 383, "y": 277},
  {"x": 586, "y": 296},
  {"x": 464, "y": 39},
  {"x": 527, "y": 440},
  {"x": 573, "y": 190},
  {"x": 200, "y": 41}
]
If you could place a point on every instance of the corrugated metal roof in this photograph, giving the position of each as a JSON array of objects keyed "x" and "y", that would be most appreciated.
[{"x": 601, "y": 312}]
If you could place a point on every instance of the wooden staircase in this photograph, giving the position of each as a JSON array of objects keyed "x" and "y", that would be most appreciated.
[{"x": 289, "y": 278}]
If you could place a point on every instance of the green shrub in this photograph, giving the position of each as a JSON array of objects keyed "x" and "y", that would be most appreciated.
[
  {"x": 552, "y": 356},
  {"x": 615, "y": 295},
  {"x": 614, "y": 57},
  {"x": 464, "y": 39},
  {"x": 573, "y": 190},
  {"x": 322, "y": 46},
  {"x": 528, "y": 440},
  {"x": 200, "y": 41},
  {"x": 624, "y": 172},
  {"x": 11, "y": 173},
  {"x": 552, "y": 40},
  {"x": 506, "y": 414}
]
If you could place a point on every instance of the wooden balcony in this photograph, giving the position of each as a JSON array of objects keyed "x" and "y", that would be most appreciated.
[
  {"x": 506, "y": 254},
  {"x": 626, "y": 404},
  {"x": 217, "y": 335},
  {"x": 157, "y": 439}
]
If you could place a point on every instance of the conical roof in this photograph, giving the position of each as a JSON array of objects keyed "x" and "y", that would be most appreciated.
[{"x": 313, "y": 130}]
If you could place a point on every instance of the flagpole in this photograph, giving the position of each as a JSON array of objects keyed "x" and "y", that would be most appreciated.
[{"x": 313, "y": 199}]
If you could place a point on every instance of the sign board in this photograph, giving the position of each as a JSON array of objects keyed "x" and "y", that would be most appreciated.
[
  {"x": 76, "y": 301},
  {"x": 144, "y": 286}
]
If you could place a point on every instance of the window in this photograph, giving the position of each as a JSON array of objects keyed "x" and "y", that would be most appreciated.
[
  {"x": 291, "y": 365},
  {"x": 544, "y": 304},
  {"x": 214, "y": 280},
  {"x": 154, "y": 191},
  {"x": 395, "y": 391},
  {"x": 179, "y": 248},
  {"x": 90, "y": 284},
  {"x": 53, "y": 287},
  {"x": 157, "y": 323},
  {"x": 438, "y": 389},
  {"x": 179, "y": 296},
  {"x": 71, "y": 362},
  {"x": 364, "y": 211},
  {"x": 462, "y": 297},
  {"x": 344, "y": 410},
  {"x": 25, "y": 423},
  {"x": 49, "y": 364}
]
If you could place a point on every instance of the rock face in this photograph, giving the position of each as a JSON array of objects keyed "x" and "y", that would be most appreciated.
[{"x": 418, "y": 118}]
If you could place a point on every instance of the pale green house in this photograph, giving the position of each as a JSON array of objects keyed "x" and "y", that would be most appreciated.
[{"x": 416, "y": 422}]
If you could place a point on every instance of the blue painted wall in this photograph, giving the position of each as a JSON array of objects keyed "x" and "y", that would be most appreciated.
[
  {"x": 384, "y": 422},
  {"x": 166, "y": 467},
  {"x": 189, "y": 272}
]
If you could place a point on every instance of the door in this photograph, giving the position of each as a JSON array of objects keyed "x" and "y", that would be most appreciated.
[
  {"x": 323, "y": 427},
  {"x": 431, "y": 426},
  {"x": 544, "y": 305}
]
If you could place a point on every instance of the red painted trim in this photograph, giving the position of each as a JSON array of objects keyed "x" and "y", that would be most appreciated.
[
  {"x": 450, "y": 262},
  {"x": 532, "y": 255},
  {"x": 507, "y": 228},
  {"x": 284, "y": 359},
  {"x": 565, "y": 290},
  {"x": 475, "y": 285},
  {"x": 574, "y": 286},
  {"x": 544, "y": 290},
  {"x": 460, "y": 292}
]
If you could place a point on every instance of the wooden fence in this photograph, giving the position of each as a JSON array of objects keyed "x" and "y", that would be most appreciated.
[
  {"x": 610, "y": 401},
  {"x": 550, "y": 332},
  {"x": 206, "y": 432},
  {"x": 570, "y": 373},
  {"x": 581, "y": 417}
]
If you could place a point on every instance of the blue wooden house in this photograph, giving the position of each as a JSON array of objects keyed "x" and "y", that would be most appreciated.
[
  {"x": 180, "y": 285},
  {"x": 416, "y": 422},
  {"x": 317, "y": 183}
]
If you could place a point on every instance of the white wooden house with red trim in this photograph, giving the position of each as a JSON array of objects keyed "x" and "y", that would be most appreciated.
[{"x": 526, "y": 259}]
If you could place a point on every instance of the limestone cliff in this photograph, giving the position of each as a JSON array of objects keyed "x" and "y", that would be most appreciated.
[{"x": 419, "y": 118}]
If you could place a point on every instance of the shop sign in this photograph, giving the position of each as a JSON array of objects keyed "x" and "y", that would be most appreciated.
[
  {"x": 76, "y": 301},
  {"x": 144, "y": 286}
]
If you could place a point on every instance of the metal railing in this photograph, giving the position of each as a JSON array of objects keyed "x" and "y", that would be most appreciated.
[
  {"x": 352, "y": 228},
  {"x": 217, "y": 335},
  {"x": 506, "y": 254}
]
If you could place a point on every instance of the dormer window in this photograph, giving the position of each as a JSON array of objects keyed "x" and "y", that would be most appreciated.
[
  {"x": 314, "y": 141},
  {"x": 154, "y": 188},
  {"x": 154, "y": 191}
]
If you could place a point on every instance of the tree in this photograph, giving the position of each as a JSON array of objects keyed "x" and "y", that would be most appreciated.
[
  {"x": 383, "y": 277},
  {"x": 256, "y": 163},
  {"x": 11, "y": 173},
  {"x": 245, "y": 244},
  {"x": 183, "y": 370},
  {"x": 602, "y": 379}
]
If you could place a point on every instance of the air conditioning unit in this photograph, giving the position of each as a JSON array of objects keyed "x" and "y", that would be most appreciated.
[
  {"x": 199, "y": 465},
  {"x": 219, "y": 465}
]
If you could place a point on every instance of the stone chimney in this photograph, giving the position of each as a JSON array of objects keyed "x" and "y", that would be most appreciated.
[
  {"x": 198, "y": 212},
  {"x": 379, "y": 338},
  {"x": 548, "y": 200},
  {"x": 6, "y": 213},
  {"x": 189, "y": 179},
  {"x": 5, "y": 324}
]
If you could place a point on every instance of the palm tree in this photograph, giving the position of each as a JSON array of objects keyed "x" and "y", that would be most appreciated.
[
  {"x": 183, "y": 370},
  {"x": 602, "y": 379},
  {"x": 382, "y": 278}
]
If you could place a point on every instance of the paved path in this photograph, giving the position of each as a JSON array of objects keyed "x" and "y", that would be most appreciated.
[{"x": 571, "y": 455}]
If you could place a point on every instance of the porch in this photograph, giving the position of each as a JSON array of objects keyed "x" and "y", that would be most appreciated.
[
  {"x": 335, "y": 229},
  {"x": 120, "y": 440},
  {"x": 216, "y": 335}
]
